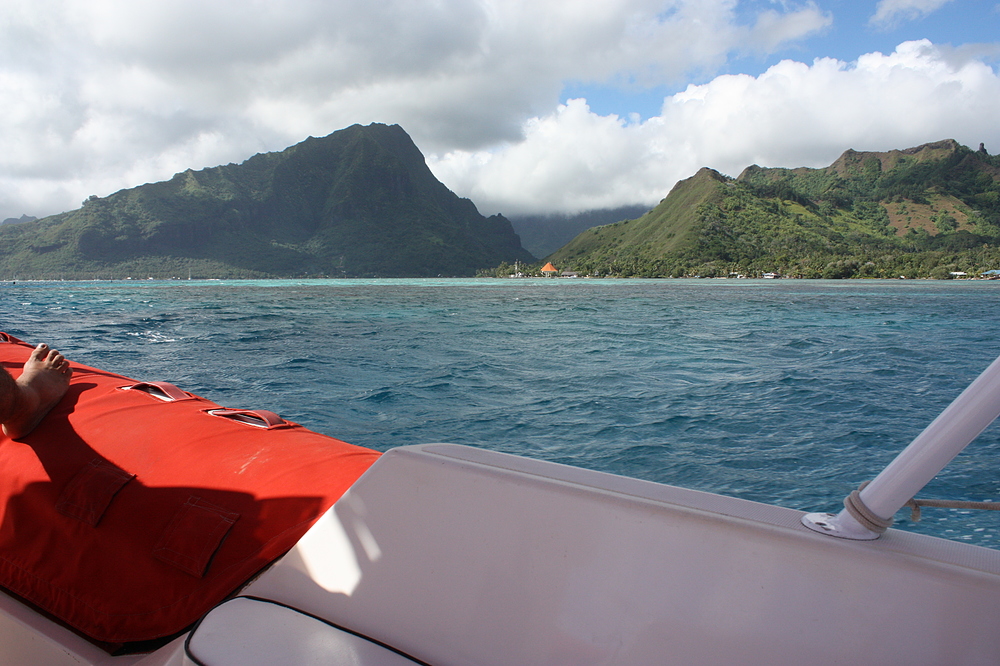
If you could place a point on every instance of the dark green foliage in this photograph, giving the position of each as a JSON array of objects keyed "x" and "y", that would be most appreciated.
[
  {"x": 359, "y": 202},
  {"x": 814, "y": 223}
]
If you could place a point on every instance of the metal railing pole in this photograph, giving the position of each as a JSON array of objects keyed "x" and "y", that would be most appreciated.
[{"x": 961, "y": 422}]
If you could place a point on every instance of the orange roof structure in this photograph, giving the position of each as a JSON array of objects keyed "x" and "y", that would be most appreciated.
[{"x": 549, "y": 268}]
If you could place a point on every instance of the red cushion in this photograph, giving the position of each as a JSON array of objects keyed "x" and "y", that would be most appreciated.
[{"x": 128, "y": 517}]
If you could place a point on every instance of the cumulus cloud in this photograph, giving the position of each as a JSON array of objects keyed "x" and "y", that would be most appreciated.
[
  {"x": 106, "y": 94},
  {"x": 891, "y": 12},
  {"x": 794, "y": 114}
]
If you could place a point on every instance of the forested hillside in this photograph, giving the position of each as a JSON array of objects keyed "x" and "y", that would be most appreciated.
[
  {"x": 359, "y": 202},
  {"x": 928, "y": 211}
]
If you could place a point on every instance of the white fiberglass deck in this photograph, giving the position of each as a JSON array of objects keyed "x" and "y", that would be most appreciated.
[{"x": 460, "y": 556}]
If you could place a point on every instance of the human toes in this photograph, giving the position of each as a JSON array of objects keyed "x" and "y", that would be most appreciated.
[
  {"x": 62, "y": 365},
  {"x": 40, "y": 352}
]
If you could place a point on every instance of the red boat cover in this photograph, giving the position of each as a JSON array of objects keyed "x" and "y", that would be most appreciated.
[{"x": 128, "y": 516}]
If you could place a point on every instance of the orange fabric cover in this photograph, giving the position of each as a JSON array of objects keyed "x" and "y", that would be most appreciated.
[{"x": 128, "y": 517}]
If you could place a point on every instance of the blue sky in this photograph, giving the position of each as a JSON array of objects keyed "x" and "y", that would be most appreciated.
[
  {"x": 849, "y": 35},
  {"x": 523, "y": 106}
]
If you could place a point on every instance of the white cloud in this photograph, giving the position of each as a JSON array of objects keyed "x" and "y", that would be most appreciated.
[
  {"x": 106, "y": 94},
  {"x": 890, "y": 12},
  {"x": 570, "y": 160},
  {"x": 794, "y": 114}
]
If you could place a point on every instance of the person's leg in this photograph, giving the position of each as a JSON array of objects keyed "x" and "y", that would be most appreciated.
[
  {"x": 25, "y": 401},
  {"x": 8, "y": 395}
]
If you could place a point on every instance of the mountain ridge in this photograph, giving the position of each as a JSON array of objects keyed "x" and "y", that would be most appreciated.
[
  {"x": 358, "y": 202},
  {"x": 927, "y": 211}
]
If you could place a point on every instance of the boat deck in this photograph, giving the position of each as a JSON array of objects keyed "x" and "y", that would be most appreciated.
[{"x": 459, "y": 555}]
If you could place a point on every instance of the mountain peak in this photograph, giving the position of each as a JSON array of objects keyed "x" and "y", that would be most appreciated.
[
  {"x": 358, "y": 202},
  {"x": 928, "y": 211},
  {"x": 851, "y": 161}
]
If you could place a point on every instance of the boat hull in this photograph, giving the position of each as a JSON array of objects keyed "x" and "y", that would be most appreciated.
[
  {"x": 465, "y": 556},
  {"x": 459, "y": 556}
]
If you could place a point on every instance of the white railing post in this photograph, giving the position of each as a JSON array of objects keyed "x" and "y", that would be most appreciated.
[{"x": 918, "y": 463}]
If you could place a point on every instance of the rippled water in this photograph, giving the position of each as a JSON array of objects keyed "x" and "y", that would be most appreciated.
[{"x": 788, "y": 392}]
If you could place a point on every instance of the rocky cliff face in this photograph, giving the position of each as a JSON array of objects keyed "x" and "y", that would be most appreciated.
[{"x": 359, "y": 202}]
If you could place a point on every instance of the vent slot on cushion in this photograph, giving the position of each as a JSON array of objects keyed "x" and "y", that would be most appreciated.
[
  {"x": 259, "y": 418},
  {"x": 164, "y": 391}
]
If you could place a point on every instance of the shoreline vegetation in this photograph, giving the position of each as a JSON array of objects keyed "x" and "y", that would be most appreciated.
[{"x": 485, "y": 275}]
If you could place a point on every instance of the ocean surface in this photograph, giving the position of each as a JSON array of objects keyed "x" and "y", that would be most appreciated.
[{"x": 787, "y": 392}]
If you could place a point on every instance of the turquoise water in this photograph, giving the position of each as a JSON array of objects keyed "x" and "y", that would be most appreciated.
[{"x": 787, "y": 392}]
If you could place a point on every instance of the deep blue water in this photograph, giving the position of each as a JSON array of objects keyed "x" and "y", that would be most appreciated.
[{"x": 787, "y": 392}]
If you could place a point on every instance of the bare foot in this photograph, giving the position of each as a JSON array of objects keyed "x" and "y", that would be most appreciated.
[{"x": 42, "y": 383}]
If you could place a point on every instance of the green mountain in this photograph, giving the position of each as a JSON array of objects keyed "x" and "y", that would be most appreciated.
[
  {"x": 928, "y": 211},
  {"x": 18, "y": 220},
  {"x": 359, "y": 202}
]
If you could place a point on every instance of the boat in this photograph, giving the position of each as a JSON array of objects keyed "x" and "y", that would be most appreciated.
[{"x": 452, "y": 555}]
